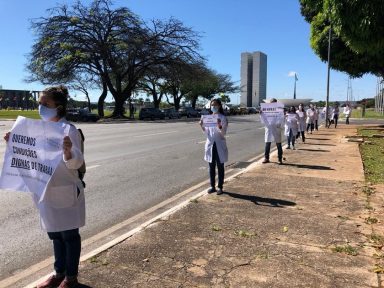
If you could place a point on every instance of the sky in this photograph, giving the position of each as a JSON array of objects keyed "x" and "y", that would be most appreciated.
[{"x": 227, "y": 28}]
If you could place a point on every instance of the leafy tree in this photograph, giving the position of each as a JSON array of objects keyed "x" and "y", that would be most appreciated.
[
  {"x": 344, "y": 55},
  {"x": 112, "y": 44}
]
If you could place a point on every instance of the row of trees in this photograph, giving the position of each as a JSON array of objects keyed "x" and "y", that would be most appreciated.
[
  {"x": 113, "y": 49},
  {"x": 357, "y": 41}
]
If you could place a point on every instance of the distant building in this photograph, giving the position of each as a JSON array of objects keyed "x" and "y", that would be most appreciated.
[
  {"x": 18, "y": 99},
  {"x": 253, "y": 73}
]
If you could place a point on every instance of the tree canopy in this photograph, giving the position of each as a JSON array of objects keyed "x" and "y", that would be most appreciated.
[
  {"x": 357, "y": 34},
  {"x": 110, "y": 44}
]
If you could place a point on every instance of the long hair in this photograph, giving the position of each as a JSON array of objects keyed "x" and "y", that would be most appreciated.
[
  {"x": 59, "y": 94},
  {"x": 221, "y": 110}
]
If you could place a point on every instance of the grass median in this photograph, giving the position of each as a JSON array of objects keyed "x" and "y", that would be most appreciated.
[{"x": 372, "y": 153}]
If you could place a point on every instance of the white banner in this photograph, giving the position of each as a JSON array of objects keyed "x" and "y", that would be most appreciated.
[
  {"x": 33, "y": 152},
  {"x": 272, "y": 113},
  {"x": 210, "y": 120}
]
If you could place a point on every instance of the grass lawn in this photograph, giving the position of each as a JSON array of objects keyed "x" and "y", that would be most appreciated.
[
  {"x": 34, "y": 114},
  {"x": 12, "y": 114},
  {"x": 373, "y": 155},
  {"x": 369, "y": 113}
]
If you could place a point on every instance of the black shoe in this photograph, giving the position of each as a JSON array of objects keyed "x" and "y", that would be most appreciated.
[
  {"x": 265, "y": 161},
  {"x": 280, "y": 162},
  {"x": 288, "y": 147},
  {"x": 211, "y": 190},
  {"x": 219, "y": 191}
]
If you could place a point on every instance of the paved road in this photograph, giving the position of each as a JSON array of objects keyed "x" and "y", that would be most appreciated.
[{"x": 131, "y": 167}]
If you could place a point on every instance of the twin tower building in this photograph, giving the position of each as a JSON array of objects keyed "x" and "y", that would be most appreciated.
[{"x": 253, "y": 78}]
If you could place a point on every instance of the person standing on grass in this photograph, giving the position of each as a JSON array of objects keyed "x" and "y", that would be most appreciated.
[
  {"x": 216, "y": 151},
  {"x": 291, "y": 127},
  {"x": 62, "y": 208},
  {"x": 302, "y": 122}
]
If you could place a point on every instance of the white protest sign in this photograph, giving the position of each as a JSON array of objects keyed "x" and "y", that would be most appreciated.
[
  {"x": 33, "y": 152},
  {"x": 210, "y": 120},
  {"x": 272, "y": 113}
]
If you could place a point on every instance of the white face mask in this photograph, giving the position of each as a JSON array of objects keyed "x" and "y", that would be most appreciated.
[
  {"x": 214, "y": 109},
  {"x": 47, "y": 113}
]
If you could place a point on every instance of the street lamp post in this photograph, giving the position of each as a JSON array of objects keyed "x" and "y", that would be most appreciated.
[{"x": 294, "y": 89}]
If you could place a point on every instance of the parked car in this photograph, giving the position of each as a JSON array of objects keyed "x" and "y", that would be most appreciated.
[
  {"x": 83, "y": 115},
  {"x": 204, "y": 111},
  {"x": 152, "y": 113},
  {"x": 188, "y": 112},
  {"x": 252, "y": 110},
  {"x": 171, "y": 113}
]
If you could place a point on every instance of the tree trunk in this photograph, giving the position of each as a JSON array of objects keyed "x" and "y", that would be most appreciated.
[
  {"x": 100, "y": 103},
  {"x": 193, "y": 102},
  {"x": 119, "y": 110},
  {"x": 176, "y": 101}
]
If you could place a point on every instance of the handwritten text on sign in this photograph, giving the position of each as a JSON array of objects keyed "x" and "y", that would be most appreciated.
[{"x": 33, "y": 152}]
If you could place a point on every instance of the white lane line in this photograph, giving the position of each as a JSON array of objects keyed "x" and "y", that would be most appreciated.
[
  {"x": 154, "y": 134},
  {"x": 93, "y": 166}
]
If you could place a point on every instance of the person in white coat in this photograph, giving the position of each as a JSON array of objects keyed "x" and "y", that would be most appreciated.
[
  {"x": 62, "y": 206},
  {"x": 310, "y": 118},
  {"x": 302, "y": 122},
  {"x": 216, "y": 151},
  {"x": 272, "y": 133},
  {"x": 347, "y": 113},
  {"x": 291, "y": 127},
  {"x": 316, "y": 117}
]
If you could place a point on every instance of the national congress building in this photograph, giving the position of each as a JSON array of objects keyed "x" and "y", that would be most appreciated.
[{"x": 253, "y": 78}]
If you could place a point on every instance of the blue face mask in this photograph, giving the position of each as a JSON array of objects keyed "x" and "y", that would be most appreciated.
[
  {"x": 214, "y": 109},
  {"x": 47, "y": 113}
]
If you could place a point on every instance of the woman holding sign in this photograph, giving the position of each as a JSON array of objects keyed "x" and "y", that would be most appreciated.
[
  {"x": 216, "y": 151},
  {"x": 302, "y": 122},
  {"x": 62, "y": 206},
  {"x": 291, "y": 127}
]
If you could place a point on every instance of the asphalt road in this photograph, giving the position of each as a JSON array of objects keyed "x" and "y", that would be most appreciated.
[{"x": 131, "y": 167}]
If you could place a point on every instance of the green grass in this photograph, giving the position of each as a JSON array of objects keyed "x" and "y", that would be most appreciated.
[
  {"x": 346, "y": 249},
  {"x": 369, "y": 113},
  {"x": 12, "y": 114},
  {"x": 373, "y": 156}
]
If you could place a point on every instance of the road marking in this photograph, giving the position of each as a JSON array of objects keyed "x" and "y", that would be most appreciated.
[{"x": 154, "y": 134}]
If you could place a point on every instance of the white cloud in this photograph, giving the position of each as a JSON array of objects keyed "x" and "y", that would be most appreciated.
[{"x": 291, "y": 74}]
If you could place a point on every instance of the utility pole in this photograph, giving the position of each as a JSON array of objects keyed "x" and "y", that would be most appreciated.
[
  {"x": 329, "y": 68},
  {"x": 294, "y": 89}
]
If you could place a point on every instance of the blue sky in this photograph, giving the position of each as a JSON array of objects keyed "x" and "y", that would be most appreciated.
[{"x": 228, "y": 27}]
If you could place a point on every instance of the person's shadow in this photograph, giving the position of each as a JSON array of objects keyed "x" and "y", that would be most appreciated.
[
  {"x": 278, "y": 203},
  {"x": 314, "y": 167},
  {"x": 83, "y": 286}
]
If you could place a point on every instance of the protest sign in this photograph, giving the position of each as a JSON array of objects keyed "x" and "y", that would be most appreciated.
[
  {"x": 210, "y": 120},
  {"x": 272, "y": 113},
  {"x": 33, "y": 152}
]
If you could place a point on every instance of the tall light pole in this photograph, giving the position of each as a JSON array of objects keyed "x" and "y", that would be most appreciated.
[
  {"x": 329, "y": 69},
  {"x": 294, "y": 89}
]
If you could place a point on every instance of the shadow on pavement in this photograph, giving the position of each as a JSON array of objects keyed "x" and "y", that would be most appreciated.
[
  {"x": 320, "y": 139},
  {"x": 261, "y": 200},
  {"x": 83, "y": 286},
  {"x": 313, "y": 150},
  {"x": 321, "y": 144},
  {"x": 314, "y": 167}
]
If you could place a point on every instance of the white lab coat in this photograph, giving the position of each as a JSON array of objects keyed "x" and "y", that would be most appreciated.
[
  {"x": 62, "y": 206},
  {"x": 215, "y": 135},
  {"x": 310, "y": 116},
  {"x": 302, "y": 118},
  {"x": 291, "y": 124},
  {"x": 347, "y": 111},
  {"x": 272, "y": 132}
]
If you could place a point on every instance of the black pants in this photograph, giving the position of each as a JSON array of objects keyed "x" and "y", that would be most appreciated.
[
  {"x": 212, "y": 169},
  {"x": 310, "y": 125},
  {"x": 291, "y": 139},
  {"x": 302, "y": 135},
  {"x": 67, "y": 248},
  {"x": 268, "y": 149},
  {"x": 317, "y": 125},
  {"x": 347, "y": 120},
  {"x": 335, "y": 118}
]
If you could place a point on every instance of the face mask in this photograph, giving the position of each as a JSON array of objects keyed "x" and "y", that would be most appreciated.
[
  {"x": 47, "y": 113},
  {"x": 214, "y": 109}
]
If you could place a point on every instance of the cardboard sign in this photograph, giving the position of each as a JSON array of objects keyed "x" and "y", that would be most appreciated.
[{"x": 210, "y": 120}]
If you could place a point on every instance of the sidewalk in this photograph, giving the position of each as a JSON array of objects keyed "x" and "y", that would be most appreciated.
[{"x": 276, "y": 226}]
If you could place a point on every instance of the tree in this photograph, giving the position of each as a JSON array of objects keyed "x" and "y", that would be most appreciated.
[
  {"x": 112, "y": 44},
  {"x": 345, "y": 56}
]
